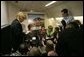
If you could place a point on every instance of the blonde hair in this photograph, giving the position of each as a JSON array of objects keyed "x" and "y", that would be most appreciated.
[
  {"x": 49, "y": 42},
  {"x": 20, "y": 14},
  {"x": 49, "y": 46}
]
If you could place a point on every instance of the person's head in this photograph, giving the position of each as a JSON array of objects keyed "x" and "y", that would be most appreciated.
[
  {"x": 42, "y": 27},
  {"x": 22, "y": 48},
  {"x": 30, "y": 26},
  {"x": 34, "y": 52},
  {"x": 73, "y": 25},
  {"x": 56, "y": 28},
  {"x": 38, "y": 18},
  {"x": 64, "y": 12},
  {"x": 78, "y": 22},
  {"x": 52, "y": 53},
  {"x": 37, "y": 21},
  {"x": 50, "y": 28},
  {"x": 49, "y": 45},
  {"x": 21, "y": 16}
]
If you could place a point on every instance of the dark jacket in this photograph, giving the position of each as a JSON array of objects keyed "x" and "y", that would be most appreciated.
[
  {"x": 70, "y": 43},
  {"x": 17, "y": 34}
]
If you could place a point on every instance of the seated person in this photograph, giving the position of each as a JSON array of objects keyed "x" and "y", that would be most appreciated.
[
  {"x": 50, "y": 34},
  {"x": 50, "y": 48},
  {"x": 34, "y": 52},
  {"x": 50, "y": 31},
  {"x": 42, "y": 34},
  {"x": 32, "y": 34}
]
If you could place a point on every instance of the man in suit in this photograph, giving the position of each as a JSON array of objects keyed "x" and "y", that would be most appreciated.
[
  {"x": 16, "y": 30},
  {"x": 70, "y": 41}
]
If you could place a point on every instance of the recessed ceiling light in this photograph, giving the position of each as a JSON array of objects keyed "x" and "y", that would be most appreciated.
[{"x": 50, "y": 3}]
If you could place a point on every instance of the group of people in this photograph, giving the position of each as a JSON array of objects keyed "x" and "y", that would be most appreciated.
[
  {"x": 67, "y": 39},
  {"x": 70, "y": 40}
]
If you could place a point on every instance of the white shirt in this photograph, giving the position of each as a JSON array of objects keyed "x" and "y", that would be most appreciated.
[
  {"x": 68, "y": 19},
  {"x": 27, "y": 32}
]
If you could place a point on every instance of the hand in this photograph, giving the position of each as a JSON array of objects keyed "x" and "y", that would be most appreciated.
[
  {"x": 43, "y": 39},
  {"x": 55, "y": 40}
]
